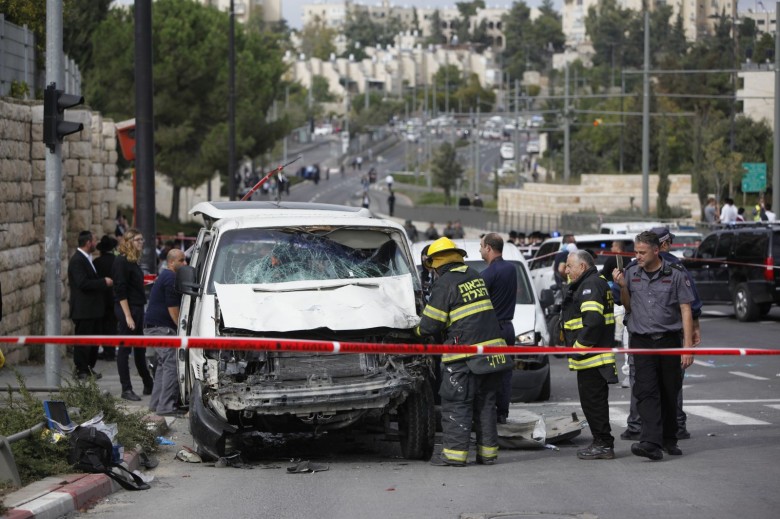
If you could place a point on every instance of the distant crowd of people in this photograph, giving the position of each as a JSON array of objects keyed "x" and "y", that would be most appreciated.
[{"x": 730, "y": 214}]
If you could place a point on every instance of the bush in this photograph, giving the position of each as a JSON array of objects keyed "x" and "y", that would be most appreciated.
[{"x": 37, "y": 457}]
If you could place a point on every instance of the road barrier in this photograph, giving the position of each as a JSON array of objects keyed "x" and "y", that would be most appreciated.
[{"x": 313, "y": 346}]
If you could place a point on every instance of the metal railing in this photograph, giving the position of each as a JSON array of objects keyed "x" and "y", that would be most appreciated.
[{"x": 8, "y": 470}]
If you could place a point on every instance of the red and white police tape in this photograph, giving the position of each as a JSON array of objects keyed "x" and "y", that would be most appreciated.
[{"x": 301, "y": 345}]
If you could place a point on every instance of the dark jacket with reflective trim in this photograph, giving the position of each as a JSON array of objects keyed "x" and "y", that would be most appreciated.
[
  {"x": 460, "y": 310},
  {"x": 588, "y": 319}
]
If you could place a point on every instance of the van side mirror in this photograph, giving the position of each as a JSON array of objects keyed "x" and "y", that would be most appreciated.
[
  {"x": 186, "y": 281},
  {"x": 546, "y": 298}
]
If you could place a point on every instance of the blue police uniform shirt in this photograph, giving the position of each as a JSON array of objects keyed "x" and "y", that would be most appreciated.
[
  {"x": 656, "y": 298},
  {"x": 501, "y": 281},
  {"x": 696, "y": 304},
  {"x": 163, "y": 296}
]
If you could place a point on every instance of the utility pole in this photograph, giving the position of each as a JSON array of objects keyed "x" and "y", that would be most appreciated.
[
  {"x": 646, "y": 120},
  {"x": 232, "y": 103},
  {"x": 622, "y": 116},
  {"x": 776, "y": 155},
  {"x": 476, "y": 154},
  {"x": 55, "y": 73},
  {"x": 566, "y": 129},
  {"x": 517, "y": 131},
  {"x": 145, "y": 210}
]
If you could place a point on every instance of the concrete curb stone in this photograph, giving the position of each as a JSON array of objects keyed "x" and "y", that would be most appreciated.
[{"x": 57, "y": 496}]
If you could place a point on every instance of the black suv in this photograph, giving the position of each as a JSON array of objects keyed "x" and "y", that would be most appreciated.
[{"x": 737, "y": 264}]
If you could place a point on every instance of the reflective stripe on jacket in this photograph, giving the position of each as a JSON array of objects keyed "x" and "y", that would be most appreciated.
[
  {"x": 460, "y": 310},
  {"x": 589, "y": 320}
]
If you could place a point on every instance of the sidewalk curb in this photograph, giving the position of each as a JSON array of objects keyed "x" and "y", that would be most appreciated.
[{"x": 56, "y": 496}]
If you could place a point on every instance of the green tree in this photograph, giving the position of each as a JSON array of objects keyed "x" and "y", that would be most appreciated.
[
  {"x": 361, "y": 32},
  {"x": 530, "y": 45},
  {"x": 472, "y": 94},
  {"x": 320, "y": 90},
  {"x": 80, "y": 18},
  {"x": 437, "y": 35},
  {"x": 317, "y": 39},
  {"x": 190, "y": 95},
  {"x": 446, "y": 169}
]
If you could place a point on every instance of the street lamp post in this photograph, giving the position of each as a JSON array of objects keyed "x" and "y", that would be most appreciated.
[{"x": 232, "y": 103}]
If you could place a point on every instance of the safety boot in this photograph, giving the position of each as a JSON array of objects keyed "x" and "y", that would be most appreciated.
[{"x": 486, "y": 461}]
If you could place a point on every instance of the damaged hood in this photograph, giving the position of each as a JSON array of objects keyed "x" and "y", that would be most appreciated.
[{"x": 340, "y": 304}]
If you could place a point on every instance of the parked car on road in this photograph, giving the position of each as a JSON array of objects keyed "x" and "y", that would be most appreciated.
[
  {"x": 308, "y": 272},
  {"x": 531, "y": 377},
  {"x": 738, "y": 265},
  {"x": 541, "y": 264},
  {"x": 507, "y": 151}
]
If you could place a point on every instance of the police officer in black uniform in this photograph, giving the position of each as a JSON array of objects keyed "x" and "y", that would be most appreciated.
[
  {"x": 460, "y": 311},
  {"x": 658, "y": 296},
  {"x": 588, "y": 320}
]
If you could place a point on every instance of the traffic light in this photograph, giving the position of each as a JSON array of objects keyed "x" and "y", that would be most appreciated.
[{"x": 55, "y": 128}]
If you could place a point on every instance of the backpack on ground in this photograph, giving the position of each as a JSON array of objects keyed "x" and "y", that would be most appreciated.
[{"x": 91, "y": 451}]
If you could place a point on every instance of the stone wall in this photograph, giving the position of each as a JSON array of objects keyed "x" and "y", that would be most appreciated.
[
  {"x": 89, "y": 203},
  {"x": 599, "y": 193}
]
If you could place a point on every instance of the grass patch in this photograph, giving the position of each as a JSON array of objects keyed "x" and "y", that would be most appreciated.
[
  {"x": 408, "y": 178},
  {"x": 38, "y": 457}
]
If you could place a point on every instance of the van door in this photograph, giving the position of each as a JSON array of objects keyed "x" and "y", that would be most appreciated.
[{"x": 188, "y": 311}]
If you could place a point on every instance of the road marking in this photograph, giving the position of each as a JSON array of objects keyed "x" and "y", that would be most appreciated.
[
  {"x": 702, "y": 363},
  {"x": 716, "y": 312},
  {"x": 617, "y": 415},
  {"x": 627, "y": 402},
  {"x": 774, "y": 406},
  {"x": 747, "y": 375},
  {"x": 719, "y": 415}
]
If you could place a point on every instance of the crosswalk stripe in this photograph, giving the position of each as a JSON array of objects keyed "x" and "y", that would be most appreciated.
[
  {"x": 617, "y": 415},
  {"x": 747, "y": 375},
  {"x": 774, "y": 406},
  {"x": 719, "y": 415}
]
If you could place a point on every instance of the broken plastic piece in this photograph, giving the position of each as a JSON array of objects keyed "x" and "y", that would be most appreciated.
[
  {"x": 188, "y": 456},
  {"x": 306, "y": 467}
]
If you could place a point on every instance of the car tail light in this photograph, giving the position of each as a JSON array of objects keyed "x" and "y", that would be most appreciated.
[{"x": 769, "y": 272}]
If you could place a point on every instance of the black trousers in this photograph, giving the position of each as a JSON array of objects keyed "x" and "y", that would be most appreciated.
[
  {"x": 139, "y": 354},
  {"x": 85, "y": 357},
  {"x": 467, "y": 398},
  {"x": 505, "y": 384},
  {"x": 594, "y": 398},
  {"x": 658, "y": 379}
]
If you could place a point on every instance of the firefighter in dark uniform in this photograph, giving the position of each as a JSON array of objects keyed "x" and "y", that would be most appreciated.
[
  {"x": 588, "y": 320},
  {"x": 460, "y": 311},
  {"x": 657, "y": 295}
]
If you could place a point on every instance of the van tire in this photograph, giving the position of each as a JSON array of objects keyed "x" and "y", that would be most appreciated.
[
  {"x": 745, "y": 307},
  {"x": 416, "y": 424}
]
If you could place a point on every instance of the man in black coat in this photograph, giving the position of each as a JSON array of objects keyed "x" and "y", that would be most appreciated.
[
  {"x": 86, "y": 302},
  {"x": 103, "y": 265}
]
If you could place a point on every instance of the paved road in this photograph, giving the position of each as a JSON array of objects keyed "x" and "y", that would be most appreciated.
[{"x": 730, "y": 467}]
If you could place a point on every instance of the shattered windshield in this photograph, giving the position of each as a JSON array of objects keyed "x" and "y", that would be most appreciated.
[{"x": 259, "y": 256}]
